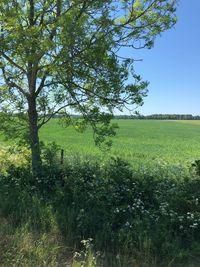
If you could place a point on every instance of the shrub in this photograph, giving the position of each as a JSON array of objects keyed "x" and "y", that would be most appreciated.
[
  {"x": 123, "y": 211},
  {"x": 134, "y": 218}
]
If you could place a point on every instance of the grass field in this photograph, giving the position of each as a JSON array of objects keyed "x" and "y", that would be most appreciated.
[
  {"x": 136, "y": 140},
  {"x": 171, "y": 141}
]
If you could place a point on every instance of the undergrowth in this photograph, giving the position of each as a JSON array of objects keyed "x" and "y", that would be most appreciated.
[{"x": 98, "y": 214}]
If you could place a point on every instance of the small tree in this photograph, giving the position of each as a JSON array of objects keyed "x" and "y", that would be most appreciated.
[{"x": 61, "y": 55}]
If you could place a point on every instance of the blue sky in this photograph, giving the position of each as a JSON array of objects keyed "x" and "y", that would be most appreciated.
[{"x": 173, "y": 66}]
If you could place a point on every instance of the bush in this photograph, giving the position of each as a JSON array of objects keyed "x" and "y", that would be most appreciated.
[
  {"x": 123, "y": 211},
  {"x": 133, "y": 218}
]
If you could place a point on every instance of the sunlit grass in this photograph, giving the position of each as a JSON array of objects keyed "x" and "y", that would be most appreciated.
[
  {"x": 136, "y": 140},
  {"x": 172, "y": 141}
]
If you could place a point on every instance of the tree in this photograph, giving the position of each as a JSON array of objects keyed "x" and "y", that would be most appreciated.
[{"x": 61, "y": 55}]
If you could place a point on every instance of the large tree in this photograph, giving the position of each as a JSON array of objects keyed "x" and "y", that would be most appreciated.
[{"x": 63, "y": 56}]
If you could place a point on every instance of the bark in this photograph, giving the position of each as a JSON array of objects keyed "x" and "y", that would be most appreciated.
[{"x": 34, "y": 137}]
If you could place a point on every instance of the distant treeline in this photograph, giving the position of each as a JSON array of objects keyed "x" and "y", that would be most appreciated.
[
  {"x": 134, "y": 117},
  {"x": 150, "y": 117},
  {"x": 159, "y": 117}
]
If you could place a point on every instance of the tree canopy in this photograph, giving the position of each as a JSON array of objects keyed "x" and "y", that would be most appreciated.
[{"x": 58, "y": 56}]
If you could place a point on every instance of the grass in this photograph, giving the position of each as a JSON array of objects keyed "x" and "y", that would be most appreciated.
[
  {"x": 133, "y": 219},
  {"x": 145, "y": 218},
  {"x": 136, "y": 140}
]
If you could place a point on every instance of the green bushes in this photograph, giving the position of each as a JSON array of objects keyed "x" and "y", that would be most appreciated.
[
  {"x": 133, "y": 218},
  {"x": 128, "y": 214}
]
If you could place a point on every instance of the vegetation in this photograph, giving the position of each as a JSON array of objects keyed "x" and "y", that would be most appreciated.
[
  {"x": 100, "y": 210},
  {"x": 90, "y": 209},
  {"x": 61, "y": 55},
  {"x": 107, "y": 213},
  {"x": 160, "y": 117},
  {"x": 139, "y": 142}
]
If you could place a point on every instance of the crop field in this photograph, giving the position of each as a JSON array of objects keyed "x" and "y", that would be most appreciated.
[{"x": 136, "y": 140}]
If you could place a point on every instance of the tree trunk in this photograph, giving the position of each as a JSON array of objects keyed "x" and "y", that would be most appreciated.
[{"x": 34, "y": 137}]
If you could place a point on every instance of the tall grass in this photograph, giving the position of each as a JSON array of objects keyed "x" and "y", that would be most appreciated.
[{"x": 96, "y": 213}]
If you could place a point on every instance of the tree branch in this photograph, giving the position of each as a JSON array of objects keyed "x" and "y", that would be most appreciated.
[
  {"x": 42, "y": 84},
  {"x": 12, "y": 84},
  {"x": 31, "y": 12},
  {"x": 13, "y": 63},
  {"x": 44, "y": 121}
]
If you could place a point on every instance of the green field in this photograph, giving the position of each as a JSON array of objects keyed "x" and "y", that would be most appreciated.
[
  {"x": 136, "y": 140},
  {"x": 171, "y": 141}
]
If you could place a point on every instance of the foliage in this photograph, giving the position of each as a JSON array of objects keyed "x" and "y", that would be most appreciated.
[
  {"x": 159, "y": 117},
  {"x": 14, "y": 155},
  {"x": 134, "y": 218},
  {"x": 60, "y": 56},
  {"x": 86, "y": 257},
  {"x": 196, "y": 165}
]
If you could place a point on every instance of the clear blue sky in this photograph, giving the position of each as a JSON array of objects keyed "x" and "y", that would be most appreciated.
[{"x": 173, "y": 66}]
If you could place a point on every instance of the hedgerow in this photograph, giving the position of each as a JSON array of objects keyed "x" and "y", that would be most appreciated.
[{"x": 132, "y": 218}]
